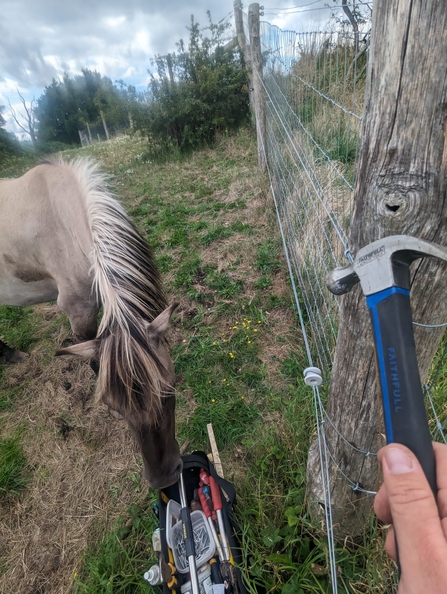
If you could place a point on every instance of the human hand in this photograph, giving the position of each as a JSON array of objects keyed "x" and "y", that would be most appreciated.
[{"x": 406, "y": 501}]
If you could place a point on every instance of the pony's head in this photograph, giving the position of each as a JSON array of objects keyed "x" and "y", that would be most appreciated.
[{"x": 136, "y": 378}]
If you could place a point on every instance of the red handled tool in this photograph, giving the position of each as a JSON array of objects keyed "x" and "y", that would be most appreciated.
[
  {"x": 217, "y": 502},
  {"x": 207, "y": 512}
]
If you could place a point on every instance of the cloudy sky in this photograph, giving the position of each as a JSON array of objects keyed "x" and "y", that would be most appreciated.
[{"x": 41, "y": 39}]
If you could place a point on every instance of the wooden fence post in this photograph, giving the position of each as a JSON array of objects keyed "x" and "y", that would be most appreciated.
[
  {"x": 258, "y": 87},
  {"x": 89, "y": 133},
  {"x": 401, "y": 189},
  {"x": 104, "y": 124},
  {"x": 244, "y": 48}
]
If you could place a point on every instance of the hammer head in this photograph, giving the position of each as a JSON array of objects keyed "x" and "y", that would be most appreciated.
[{"x": 383, "y": 264}]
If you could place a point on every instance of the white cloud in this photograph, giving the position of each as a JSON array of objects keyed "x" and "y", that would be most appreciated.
[
  {"x": 114, "y": 22},
  {"x": 40, "y": 40}
]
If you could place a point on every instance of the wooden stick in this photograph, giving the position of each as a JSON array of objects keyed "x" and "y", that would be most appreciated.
[{"x": 214, "y": 450}]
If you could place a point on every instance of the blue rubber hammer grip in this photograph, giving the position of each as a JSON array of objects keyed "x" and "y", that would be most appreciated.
[{"x": 403, "y": 402}]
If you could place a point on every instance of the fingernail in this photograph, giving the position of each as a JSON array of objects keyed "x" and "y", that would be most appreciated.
[{"x": 398, "y": 462}]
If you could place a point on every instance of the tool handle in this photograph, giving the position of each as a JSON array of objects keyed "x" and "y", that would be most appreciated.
[
  {"x": 188, "y": 537},
  {"x": 215, "y": 494},
  {"x": 204, "y": 477},
  {"x": 204, "y": 503},
  {"x": 403, "y": 402}
]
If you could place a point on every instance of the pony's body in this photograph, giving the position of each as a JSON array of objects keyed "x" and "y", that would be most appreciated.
[
  {"x": 46, "y": 245},
  {"x": 63, "y": 236}
]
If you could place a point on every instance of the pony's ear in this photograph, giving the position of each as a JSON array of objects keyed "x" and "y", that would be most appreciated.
[
  {"x": 159, "y": 327},
  {"x": 86, "y": 350}
]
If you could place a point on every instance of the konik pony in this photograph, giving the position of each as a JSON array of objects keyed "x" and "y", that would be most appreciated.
[{"x": 64, "y": 236}]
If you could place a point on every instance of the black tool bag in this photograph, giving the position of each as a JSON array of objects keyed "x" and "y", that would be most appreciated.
[{"x": 191, "y": 470}]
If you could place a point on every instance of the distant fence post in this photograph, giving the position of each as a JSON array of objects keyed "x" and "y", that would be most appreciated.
[
  {"x": 244, "y": 48},
  {"x": 89, "y": 133},
  {"x": 104, "y": 124},
  {"x": 258, "y": 90},
  {"x": 401, "y": 189}
]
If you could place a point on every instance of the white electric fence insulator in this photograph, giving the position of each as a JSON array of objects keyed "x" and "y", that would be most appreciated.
[{"x": 312, "y": 376}]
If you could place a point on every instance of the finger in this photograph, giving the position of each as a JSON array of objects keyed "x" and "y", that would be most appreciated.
[
  {"x": 390, "y": 543},
  {"x": 382, "y": 506},
  {"x": 381, "y": 502},
  {"x": 440, "y": 450},
  {"x": 413, "y": 508}
]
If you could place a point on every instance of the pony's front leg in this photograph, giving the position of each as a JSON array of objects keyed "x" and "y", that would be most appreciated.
[
  {"x": 11, "y": 355},
  {"x": 82, "y": 313}
]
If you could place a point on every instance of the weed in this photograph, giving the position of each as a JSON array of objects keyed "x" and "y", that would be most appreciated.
[
  {"x": 263, "y": 283},
  {"x": 187, "y": 271},
  {"x": 120, "y": 560},
  {"x": 267, "y": 257},
  {"x": 13, "y": 472},
  {"x": 9, "y": 396},
  {"x": 219, "y": 232},
  {"x": 223, "y": 285},
  {"x": 16, "y": 326}
]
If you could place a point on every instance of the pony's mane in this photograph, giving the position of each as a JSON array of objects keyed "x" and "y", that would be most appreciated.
[{"x": 129, "y": 287}]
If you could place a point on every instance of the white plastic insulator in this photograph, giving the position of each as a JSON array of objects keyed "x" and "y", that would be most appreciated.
[{"x": 312, "y": 376}]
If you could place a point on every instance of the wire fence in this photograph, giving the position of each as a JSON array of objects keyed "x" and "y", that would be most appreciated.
[{"x": 314, "y": 88}]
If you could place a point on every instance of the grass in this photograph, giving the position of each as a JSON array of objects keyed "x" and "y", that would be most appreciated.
[
  {"x": 13, "y": 473},
  {"x": 118, "y": 563},
  {"x": 238, "y": 359}
]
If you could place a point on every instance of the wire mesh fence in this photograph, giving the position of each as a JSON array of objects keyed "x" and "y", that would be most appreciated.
[{"x": 314, "y": 89}]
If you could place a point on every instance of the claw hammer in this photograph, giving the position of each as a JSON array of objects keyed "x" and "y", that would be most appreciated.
[{"x": 383, "y": 270}]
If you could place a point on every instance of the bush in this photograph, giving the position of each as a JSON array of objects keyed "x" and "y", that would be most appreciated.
[
  {"x": 208, "y": 98},
  {"x": 9, "y": 146}
]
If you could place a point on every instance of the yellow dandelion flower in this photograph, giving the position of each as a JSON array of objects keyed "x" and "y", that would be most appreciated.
[
  {"x": 224, "y": 379},
  {"x": 259, "y": 321},
  {"x": 242, "y": 397},
  {"x": 248, "y": 341},
  {"x": 255, "y": 330},
  {"x": 213, "y": 400}
]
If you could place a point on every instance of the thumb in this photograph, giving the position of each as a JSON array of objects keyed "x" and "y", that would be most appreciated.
[{"x": 413, "y": 509}]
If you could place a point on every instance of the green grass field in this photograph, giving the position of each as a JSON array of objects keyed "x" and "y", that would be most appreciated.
[{"x": 239, "y": 360}]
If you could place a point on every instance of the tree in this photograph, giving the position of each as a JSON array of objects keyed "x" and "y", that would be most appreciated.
[
  {"x": 72, "y": 103},
  {"x": 197, "y": 93},
  {"x": 401, "y": 189},
  {"x": 28, "y": 117},
  {"x": 357, "y": 13},
  {"x": 8, "y": 142}
]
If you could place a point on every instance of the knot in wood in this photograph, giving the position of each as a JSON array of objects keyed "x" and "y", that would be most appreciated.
[{"x": 401, "y": 196}]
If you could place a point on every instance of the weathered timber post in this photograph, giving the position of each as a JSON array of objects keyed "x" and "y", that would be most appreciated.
[
  {"x": 243, "y": 47},
  {"x": 101, "y": 113},
  {"x": 401, "y": 189},
  {"x": 89, "y": 133},
  {"x": 239, "y": 24},
  {"x": 258, "y": 87}
]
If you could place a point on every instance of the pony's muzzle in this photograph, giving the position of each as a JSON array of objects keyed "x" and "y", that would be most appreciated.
[{"x": 162, "y": 482}]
